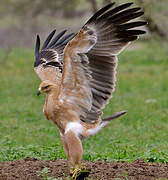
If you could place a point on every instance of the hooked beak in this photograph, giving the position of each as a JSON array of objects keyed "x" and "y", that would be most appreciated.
[{"x": 38, "y": 93}]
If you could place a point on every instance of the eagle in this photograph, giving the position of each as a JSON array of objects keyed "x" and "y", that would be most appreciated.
[{"x": 78, "y": 74}]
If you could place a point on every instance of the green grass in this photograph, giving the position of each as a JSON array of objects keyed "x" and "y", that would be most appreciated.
[{"x": 141, "y": 89}]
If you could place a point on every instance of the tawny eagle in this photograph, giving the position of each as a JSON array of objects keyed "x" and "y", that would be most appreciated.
[{"x": 78, "y": 73}]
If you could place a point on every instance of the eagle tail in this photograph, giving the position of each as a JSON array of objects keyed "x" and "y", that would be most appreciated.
[{"x": 114, "y": 116}]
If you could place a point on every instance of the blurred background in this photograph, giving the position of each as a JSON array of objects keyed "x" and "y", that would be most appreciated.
[{"x": 21, "y": 20}]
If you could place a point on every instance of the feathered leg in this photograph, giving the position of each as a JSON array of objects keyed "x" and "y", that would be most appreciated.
[
  {"x": 74, "y": 151},
  {"x": 66, "y": 150}
]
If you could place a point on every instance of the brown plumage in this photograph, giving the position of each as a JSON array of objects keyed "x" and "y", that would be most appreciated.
[{"x": 78, "y": 73}]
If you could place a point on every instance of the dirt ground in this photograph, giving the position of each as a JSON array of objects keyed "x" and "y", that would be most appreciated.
[{"x": 29, "y": 169}]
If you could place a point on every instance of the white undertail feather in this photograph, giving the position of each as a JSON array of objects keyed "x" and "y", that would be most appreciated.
[
  {"x": 79, "y": 131},
  {"x": 98, "y": 128},
  {"x": 82, "y": 132},
  {"x": 75, "y": 127}
]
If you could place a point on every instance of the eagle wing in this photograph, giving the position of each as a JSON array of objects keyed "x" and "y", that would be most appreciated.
[
  {"x": 49, "y": 60},
  {"x": 90, "y": 58}
]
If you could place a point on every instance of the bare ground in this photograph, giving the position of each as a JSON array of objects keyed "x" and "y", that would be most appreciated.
[{"x": 28, "y": 169}]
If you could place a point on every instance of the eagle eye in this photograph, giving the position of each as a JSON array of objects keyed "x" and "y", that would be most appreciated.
[{"x": 45, "y": 87}]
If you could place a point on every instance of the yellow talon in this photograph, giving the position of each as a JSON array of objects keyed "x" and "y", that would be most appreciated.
[{"x": 76, "y": 171}]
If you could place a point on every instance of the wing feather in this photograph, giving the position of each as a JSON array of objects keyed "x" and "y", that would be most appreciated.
[
  {"x": 114, "y": 10},
  {"x": 54, "y": 41},
  {"x": 63, "y": 39},
  {"x": 98, "y": 13},
  {"x": 48, "y": 60},
  {"x": 50, "y": 36},
  {"x": 37, "y": 48},
  {"x": 99, "y": 42}
]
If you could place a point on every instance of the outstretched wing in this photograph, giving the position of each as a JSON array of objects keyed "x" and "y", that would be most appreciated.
[
  {"x": 48, "y": 60},
  {"x": 90, "y": 58}
]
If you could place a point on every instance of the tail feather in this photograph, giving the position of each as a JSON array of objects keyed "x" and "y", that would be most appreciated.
[{"x": 114, "y": 116}]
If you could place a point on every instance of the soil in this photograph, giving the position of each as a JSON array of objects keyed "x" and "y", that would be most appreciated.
[{"x": 29, "y": 169}]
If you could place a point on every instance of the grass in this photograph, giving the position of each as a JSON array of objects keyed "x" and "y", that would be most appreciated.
[{"x": 141, "y": 90}]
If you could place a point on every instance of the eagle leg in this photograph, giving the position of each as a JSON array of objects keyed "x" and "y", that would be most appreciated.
[
  {"x": 73, "y": 149},
  {"x": 65, "y": 145}
]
